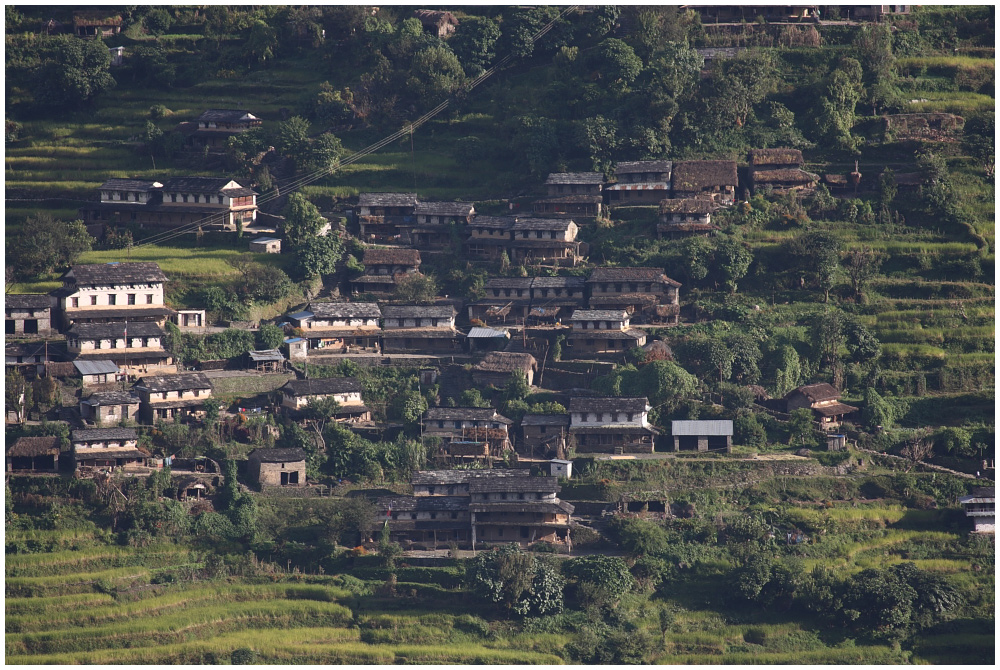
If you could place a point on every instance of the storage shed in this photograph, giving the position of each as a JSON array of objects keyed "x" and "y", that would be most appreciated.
[
  {"x": 277, "y": 467},
  {"x": 38, "y": 454},
  {"x": 712, "y": 435}
]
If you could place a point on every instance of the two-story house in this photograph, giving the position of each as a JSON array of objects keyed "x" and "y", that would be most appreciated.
[
  {"x": 544, "y": 435},
  {"x": 572, "y": 195},
  {"x": 640, "y": 183},
  {"x": 684, "y": 217},
  {"x": 107, "y": 448},
  {"x": 824, "y": 401},
  {"x": 599, "y": 333},
  {"x": 112, "y": 292},
  {"x": 715, "y": 180},
  {"x": 383, "y": 267},
  {"x": 611, "y": 425},
  {"x": 135, "y": 348},
  {"x": 981, "y": 507},
  {"x": 420, "y": 329},
  {"x": 337, "y": 327},
  {"x": 489, "y": 237},
  {"x": 27, "y": 314},
  {"x": 506, "y": 297},
  {"x": 206, "y": 203},
  {"x": 216, "y": 126},
  {"x": 380, "y": 215},
  {"x": 779, "y": 170},
  {"x": 109, "y": 407},
  {"x": 468, "y": 424},
  {"x": 552, "y": 297},
  {"x": 645, "y": 293},
  {"x": 168, "y": 397},
  {"x": 435, "y": 221},
  {"x": 521, "y": 509},
  {"x": 549, "y": 241},
  {"x": 297, "y": 393}
]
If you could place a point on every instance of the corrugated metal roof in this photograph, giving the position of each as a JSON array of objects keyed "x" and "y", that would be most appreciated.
[
  {"x": 711, "y": 427},
  {"x": 266, "y": 355},
  {"x": 299, "y": 316},
  {"x": 479, "y": 331},
  {"x": 104, "y": 367}
]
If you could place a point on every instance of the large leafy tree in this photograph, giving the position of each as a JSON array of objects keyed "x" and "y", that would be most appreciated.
[
  {"x": 873, "y": 45},
  {"x": 46, "y": 244},
  {"x": 733, "y": 258},
  {"x": 979, "y": 140},
  {"x": 302, "y": 220},
  {"x": 836, "y": 116},
  {"x": 318, "y": 255},
  {"x": 72, "y": 73},
  {"x": 474, "y": 42},
  {"x": 602, "y": 580},
  {"x": 517, "y": 582},
  {"x": 435, "y": 73}
]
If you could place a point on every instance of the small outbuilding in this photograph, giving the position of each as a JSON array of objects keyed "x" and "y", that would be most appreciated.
[
  {"x": 711, "y": 435},
  {"x": 97, "y": 372},
  {"x": 561, "y": 468},
  {"x": 277, "y": 467},
  {"x": 35, "y": 454},
  {"x": 265, "y": 245},
  {"x": 497, "y": 367},
  {"x": 109, "y": 407},
  {"x": 267, "y": 360},
  {"x": 981, "y": 507}
]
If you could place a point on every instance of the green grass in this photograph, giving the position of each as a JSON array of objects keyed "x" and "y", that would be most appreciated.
[{"x": 183, "y": 262}]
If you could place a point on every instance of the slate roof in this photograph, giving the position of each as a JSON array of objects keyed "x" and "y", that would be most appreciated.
[
  {"x": 211, "y": 185},
  {"x": 423, "y": 504},
  {"x": 289, "y": 455},
  {"x": 816, "y": 392},
  {"x": 387, "y": 200},
  {"x": 504, "y": 361},
  {"x": 575, "y": 178},
  {"x": 688, "y": 206},
  {"x": 599, "y": 315},
  {"x": 90, "y": 331},
  {"x": 418, "y": 311},
  {"x": 514, "y": 506},
  {"x": 180, "y": 382},
  {"x": 629, "y": 275},
  {"x": 515, "y": 484},
  {"x": 120, "y": 312},
  {"x": 444, "y": 208},
  {"x": 27, "y": 301},
  {"x": 345, "y": 310},
  {"x": 495, "y": 222},
  {"x": 609, "y": 404},
  {"x": 225, "y": 115},
  {"x": 835, "y": 409},
  {"x": 557, "y": 282},
  {"x": 96, "y": 367},
  {"x": 115, "y": 274},
  {"x": 465, "y": 414},
  {"x": 329, "y": 386},
  {"x": 700, "y": 175},
  {"x": 391, "y": 257},
  {"x": 711, "y": 427},
  {"x": 545, "y": 420},
  {"x": 523, "y": 283},
  {"x": 774, "y": 157},
  {"x": 119, "y": 184},
  {"x": 437, "y": 477},
  {"x": 101, "y": 434},
  {"x": 784, "y": 176},
  {"x": 633, "y": 167},
  {"x": 541, "y": 224},
  {"x": 28, "y": 447},
  {"x": 105, "y": 398}
]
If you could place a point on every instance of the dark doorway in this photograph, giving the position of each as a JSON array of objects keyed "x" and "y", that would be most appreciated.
[{"x": 31, "y": 326}]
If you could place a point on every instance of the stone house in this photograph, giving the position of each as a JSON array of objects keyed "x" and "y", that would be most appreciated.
[
  {"x": 572, "y": 195},
  {"x": 545, "y": 241},
  {"x": 489, "y": 237},
  {"x": 437, "y": 23},
  {"x": 168, "y": 397},
  {"x": 824, "y": 401},
  {"x": 715, "y": 180},
  {"x": 27, "y": 314},
  {"x": 543, "y": 435},
  {"x": 497, "y": 366},
  {"x": 468, "y": 424},
  {"x": 420, "y": 329},
  {"x": 216, "y": 126},
  {"x": 685, "y": 217},
  {"x": 277, "y": 467},
  {"x": 206, "y": 203},
  {"x": 381, "y": 215},
  {"x": 611, "y": 425},
  {"x": 555, "y": 296},
  {"x": 265, "y": 245},
  {"x": 31, "y": 359},
  {"x": 522, "y": 509},
  {"x": 136, "y": 348},
  {"x": 35, "y": 454},
  {"x": 981, "y": 507},
  {"x": 296, "y": 394},
  {"x": 711, "y": 435},
  {"x": 96, "y": 24},
  {"x": 97, "y": 372},
  {"x": 339, "y": 327},
  {"x": 109, "y": 407},
  {"x": 505, "y": 297},
  {"x": 112, "y": 292},
  {"x": 646, "y": 293},
  {"x": 107, "y": 448},
  {"x": 434, "y": 221},
  {"x": 601, "y": 333},
  {"x": 383, "y": 267},
  {"x": 640, "y": 183}
]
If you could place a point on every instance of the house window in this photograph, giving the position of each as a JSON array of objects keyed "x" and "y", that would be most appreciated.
[
  {"x": 454, "y": 515},
  {"x": 149, "y": 299},
  {"x": 93, "y": 300},
  {"x": 499, "y": 532},
  {"x": 542, "y": 430},
  {"x": 112, "y": 299},
  {"x": 75, "y": 302},
  {"x": 440, "y": 424},
  {"x": 130, "y": 298},
  {"x": 458, "y": 424}
]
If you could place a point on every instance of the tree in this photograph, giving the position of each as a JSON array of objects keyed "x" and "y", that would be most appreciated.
[
  {"x": 324, "y": 153},
  {"x": 318, "y": 255},
  {"x": 599, "y": 137},
  {"x": 518, "y": 582},
  {"x": 17, "y": 394},
  {"x": 302, "y": 220},
  {"x": 979, "y": 138},
  {"x": 873, "y": 44},
  {"x": 435, "y": 73},
  {"x": 270, "y": 336},
  {"x": 72, "y": 73},
  {"x": 742, "y": 82},
  {"x": 748, "y": 431},
  {"x": 157, "y": 21},
  {"x": 517, "y": 387},
  {"x": 291, "y": 138},
  {"x": 261, "y": 283},
  {"x": 918, "y": 448},
  {"x": 474, "y": 42},
  {"x": 695, "y": 254},
  {"x": 733, "y": 258},
  {"x": 862, "y": 265},
  {"x": 789, "y": 371},
  {"x": 261, "y": 44},
  {"x": 800, "y": 427},
  {"x": 51, "y": 245},
  {"x": 666, "y": 384},
  {"x": 821, "y": 251},
  {"x": 835, "y": 118},
  {"x": 416, "y": 288},
  {"x": 879, "y": 602},
  {"x": 617, "y": 61},
  {"x": 518, "y": 26},
  {"x": 600, "y": 580},
  {"x": 877, "y": 411},
  {"x": 826, "y": 331}
]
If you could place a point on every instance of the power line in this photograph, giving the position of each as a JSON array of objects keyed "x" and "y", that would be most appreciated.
[{"x": 309, "y": 178}]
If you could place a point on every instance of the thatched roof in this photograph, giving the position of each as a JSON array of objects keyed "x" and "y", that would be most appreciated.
[
  {"x": 687, "y": 206},
  {"x": 506, "y": 362},
  {"x": 784, "y": 176},
  {"x": 816, "y": 392},
  {"x": 409, "y": 257},
  {"x": 29, "y": 447},
  {"x": 701, "y": 175},
  {"x": 774, "y": 157}
]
